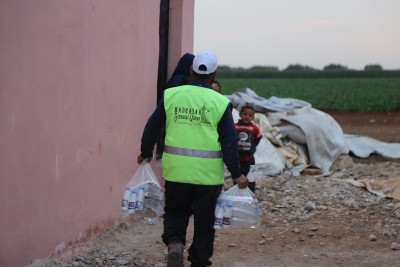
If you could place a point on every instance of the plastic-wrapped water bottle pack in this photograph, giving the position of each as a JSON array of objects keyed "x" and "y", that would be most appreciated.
[
  {"x": 238, "y": 208},
  {"x": 143, "y": 195}
]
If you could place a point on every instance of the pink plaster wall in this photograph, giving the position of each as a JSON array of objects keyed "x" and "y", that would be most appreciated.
[
  {"x": 181, "y": 24},
  {"x": 77, "y": 83}
]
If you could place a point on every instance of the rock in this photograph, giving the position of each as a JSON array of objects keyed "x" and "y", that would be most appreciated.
[
  {"x": 372, "y": 237},
  {"x": 296, "y": 230},
  {"x": 309, "y": 206},
  {"x": 394, "y": 246},
  {"x": 122, "y": 262},
  {"x": 311, "y": 171}
]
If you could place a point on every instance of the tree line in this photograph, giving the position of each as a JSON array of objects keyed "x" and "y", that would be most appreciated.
[
  {"x": 369, "y": 67},
  {"x": 304, "y": 71}
]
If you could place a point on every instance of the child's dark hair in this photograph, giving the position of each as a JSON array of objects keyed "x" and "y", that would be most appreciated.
[{"x": 247, "y": 107}]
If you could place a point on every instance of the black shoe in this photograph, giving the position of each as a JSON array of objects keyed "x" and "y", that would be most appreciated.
[{"x": 175, "y": 255}]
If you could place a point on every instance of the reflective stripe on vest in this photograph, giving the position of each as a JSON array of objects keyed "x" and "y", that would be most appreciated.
[{"x": 192, "y": 152}]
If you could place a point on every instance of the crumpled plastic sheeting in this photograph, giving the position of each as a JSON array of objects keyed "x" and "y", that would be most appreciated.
[
  {"x": 389, "y": 188},
  {"x": 269, "y": 160},
  {"x": 262, "y": 105},
  {"x": 304, "y": 125},
  {"x": 363, "y": 147},
  {"x": 324, "y": 136}
]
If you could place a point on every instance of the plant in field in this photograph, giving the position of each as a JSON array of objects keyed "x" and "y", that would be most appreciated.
[
  {"x": 335, "y": 67},
  {"x": 373, "y": 67}
]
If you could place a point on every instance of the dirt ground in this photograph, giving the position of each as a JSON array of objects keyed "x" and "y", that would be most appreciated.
[
  {"x": 306, "y": 220},
  {"x": 384, "y": 126}
]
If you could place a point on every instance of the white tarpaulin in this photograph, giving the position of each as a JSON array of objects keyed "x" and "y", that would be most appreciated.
[
  {"x": 320, "y": 135},
  {"x": 363, "y": 147}
]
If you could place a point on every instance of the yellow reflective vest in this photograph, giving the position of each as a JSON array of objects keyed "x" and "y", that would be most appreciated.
[{"x": 192, "y": 152}]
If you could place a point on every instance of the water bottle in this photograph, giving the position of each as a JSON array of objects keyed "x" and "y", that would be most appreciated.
[
  {"x": 125, "y": 199},
  {"x": 226, "y": 221},
  {"x": 219, "y": 215},
  {"x": 132, "y": 202},
  {"x": 140, "y": 198}
]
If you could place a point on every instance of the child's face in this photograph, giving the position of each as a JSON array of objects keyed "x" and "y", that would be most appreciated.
[
  {"x": 216, "y": 87},
  {"x": 247, "y": 115}
]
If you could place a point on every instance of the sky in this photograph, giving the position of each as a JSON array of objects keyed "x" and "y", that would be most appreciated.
[{"x": 314, "y": 33}]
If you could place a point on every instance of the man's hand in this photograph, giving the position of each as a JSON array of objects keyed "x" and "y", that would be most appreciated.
[
  {"x": 242, "y": 181},
  {"x": 140, "y": 159}
]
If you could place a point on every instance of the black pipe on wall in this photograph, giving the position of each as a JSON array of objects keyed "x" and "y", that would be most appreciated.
[
  {"x": 163, "y": 50},
  {"x": 162, "y": 64}
]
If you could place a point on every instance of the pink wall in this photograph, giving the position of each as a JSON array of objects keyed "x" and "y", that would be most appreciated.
[
  {"x": 77, "y": 84},
  {"x": 181, "y": 24}
]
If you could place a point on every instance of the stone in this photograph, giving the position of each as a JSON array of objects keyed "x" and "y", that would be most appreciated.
[{"x": 394, "y": 246}]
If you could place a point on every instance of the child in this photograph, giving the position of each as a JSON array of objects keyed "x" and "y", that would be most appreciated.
[
  {"x": 249, "y": 137},
  {"x": 216, "y": 86}
]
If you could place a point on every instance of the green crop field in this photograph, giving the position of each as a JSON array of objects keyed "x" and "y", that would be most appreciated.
[{"x": 344, "y": 94}]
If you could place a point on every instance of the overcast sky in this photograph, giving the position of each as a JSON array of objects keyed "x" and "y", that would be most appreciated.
[{"x": 353, "y": 33}]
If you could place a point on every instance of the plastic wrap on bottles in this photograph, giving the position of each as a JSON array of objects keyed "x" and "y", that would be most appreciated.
[
  {"x": 238, "y": 212},
  {"x": 227, "y": 219},
  {"x": 132, "y": 202},
  {"x": 245, "y": 207},
  {"x": 219, "y": 215},
  {"x": 153, "y": 198},
  {"x": 149, "y": 193},
  {"x": 125, "y": 199},
  {"x": 237, "y": 222}
]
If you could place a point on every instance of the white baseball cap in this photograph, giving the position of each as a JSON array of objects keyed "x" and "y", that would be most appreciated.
[{"x": 205, "y": 63}]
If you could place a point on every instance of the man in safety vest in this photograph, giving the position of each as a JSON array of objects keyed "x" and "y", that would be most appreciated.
[{"x": 200, "y": 138}]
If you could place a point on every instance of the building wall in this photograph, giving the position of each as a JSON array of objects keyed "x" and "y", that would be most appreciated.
[
  {"x": 181, "y": 24},
  {"x": 77, "y": 84}
]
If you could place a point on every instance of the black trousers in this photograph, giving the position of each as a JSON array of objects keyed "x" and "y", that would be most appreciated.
[
  {"x": 183, "y": 200},
  {"x": 245, "y": 169}
]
